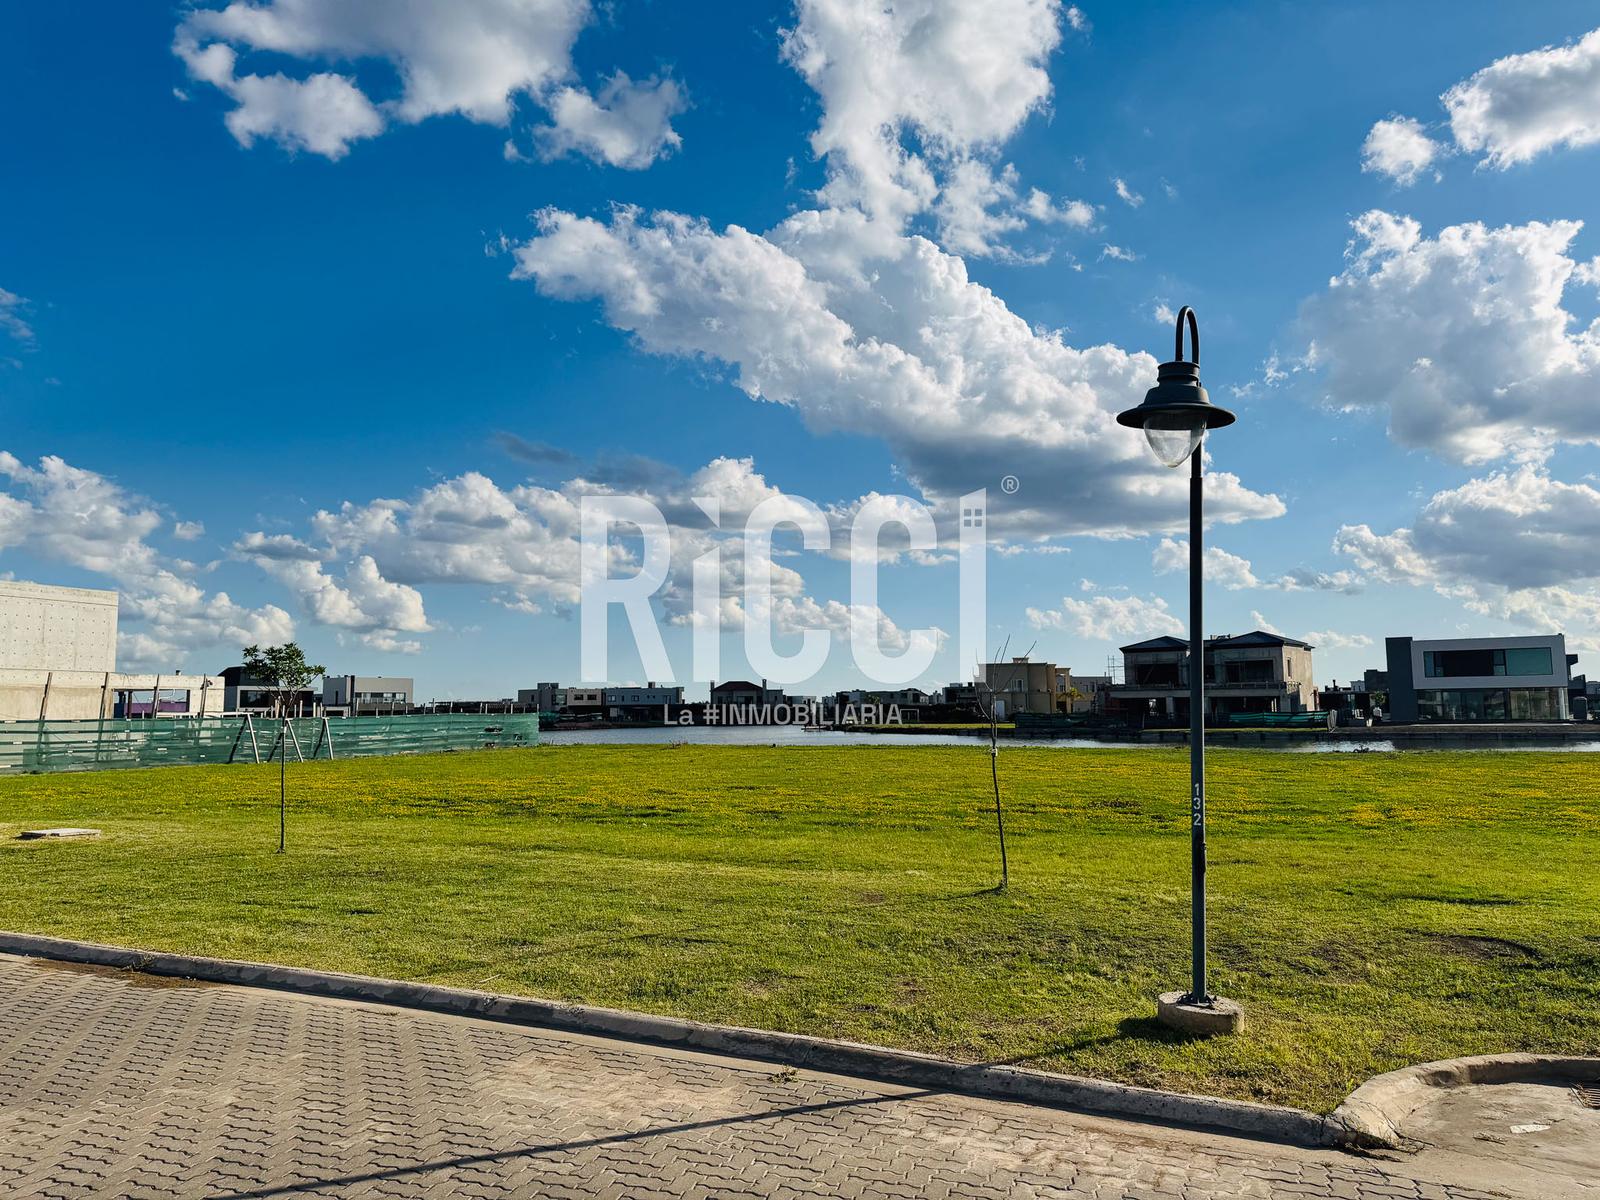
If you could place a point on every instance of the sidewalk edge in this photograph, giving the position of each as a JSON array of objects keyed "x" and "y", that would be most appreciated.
[{"x": 822, "y": 1054}]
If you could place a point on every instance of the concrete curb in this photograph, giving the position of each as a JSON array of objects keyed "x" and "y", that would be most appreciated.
[
  {"x": 820, "y": 1054},
  {"x": 1372, "y": 1115}
]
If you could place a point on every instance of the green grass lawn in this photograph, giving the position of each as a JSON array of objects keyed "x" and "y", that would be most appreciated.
[{"x": 1369, "y": 910}]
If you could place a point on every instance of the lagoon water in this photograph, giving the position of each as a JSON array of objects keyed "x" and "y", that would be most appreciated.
[
  {"x": 795, "y": 735},
  {"x": 767, "y": 735}
]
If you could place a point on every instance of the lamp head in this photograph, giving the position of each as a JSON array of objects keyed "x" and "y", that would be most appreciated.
[{"x": 1177, "y": 412}]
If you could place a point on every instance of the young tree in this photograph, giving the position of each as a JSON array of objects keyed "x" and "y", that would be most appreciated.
[
  {"x": 283, "y": 673},
  {"x": 987, "y": 695}
]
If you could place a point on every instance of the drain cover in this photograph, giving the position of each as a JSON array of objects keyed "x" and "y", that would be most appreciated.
[{"x": 1589, "y": 1094}]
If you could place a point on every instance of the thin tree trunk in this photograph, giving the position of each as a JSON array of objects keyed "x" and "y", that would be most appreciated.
[
  {"x": 283, "y": 786},
  {"x": 999, "y": 814}
]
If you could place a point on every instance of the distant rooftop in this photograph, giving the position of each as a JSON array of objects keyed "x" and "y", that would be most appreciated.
[
  {"x": 1165, "y": 642},
  {"x": 1257, "y": 637}
]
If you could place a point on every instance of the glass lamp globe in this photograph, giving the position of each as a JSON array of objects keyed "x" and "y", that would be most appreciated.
[{"x": 1174, "y": 434}]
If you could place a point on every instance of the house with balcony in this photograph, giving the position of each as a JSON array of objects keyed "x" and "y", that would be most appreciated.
[{"x": 1256, "y": 672}]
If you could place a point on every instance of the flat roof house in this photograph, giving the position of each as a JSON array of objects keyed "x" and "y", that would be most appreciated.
[
  {"x": 1024, "y": 686},
  {"x": 742, "y": 691},
  {"x": 367, "y": 695},
  {"x": 1479, "y": 679},
  {"x": 640, "y": 703},
  {"x": 245, "y": 693}
]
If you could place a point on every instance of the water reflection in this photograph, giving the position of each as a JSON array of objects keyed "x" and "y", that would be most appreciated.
[{"x": 794, "y": 735}]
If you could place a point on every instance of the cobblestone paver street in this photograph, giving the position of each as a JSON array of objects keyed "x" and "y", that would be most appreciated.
[{"x": 117, "y": 1085}]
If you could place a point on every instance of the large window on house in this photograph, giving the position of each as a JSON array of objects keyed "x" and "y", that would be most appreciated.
[
  {"x": 1491, "y": 704},
  {"x": 1455, "y": 664},
  {"x": 1536, "y": 704},
  {"x": 1529, "y": 660},
  {"x": 1254, "y": 670},
  {"x": 1169, "y": 674}
]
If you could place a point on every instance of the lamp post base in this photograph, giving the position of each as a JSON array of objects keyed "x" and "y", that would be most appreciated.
[{"x": 1204, "y": 1019}]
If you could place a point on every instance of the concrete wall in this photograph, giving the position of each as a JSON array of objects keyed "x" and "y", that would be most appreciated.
[
  {"x": 57, "y": 628},
  {"x": 89, "y": 695}
]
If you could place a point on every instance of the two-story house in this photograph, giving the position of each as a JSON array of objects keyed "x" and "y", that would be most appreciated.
[{"x": 1248, "y": 673}]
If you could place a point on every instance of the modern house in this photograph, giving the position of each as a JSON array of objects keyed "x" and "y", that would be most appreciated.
[
  {"x": 742, "y": 691},
  {"x": 1479, "y": 679},
  {"x": 899, "y": 696},
  {"x": 968, "y": 697},
  {"x": 545, "y": 697},
  {"x": 913, "y": 703},
  {"x": 1254, "y": 672},
  {"x": 366, "y": 695},
  {"x": 555, "y": 698},
  {"x": 640, "y": 703},
  {"x": 245, "y": 693},
  {"x": 590, "y": 701}
]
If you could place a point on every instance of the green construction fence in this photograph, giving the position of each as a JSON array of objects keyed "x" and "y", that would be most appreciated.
[{"x": 43, "y": 746}]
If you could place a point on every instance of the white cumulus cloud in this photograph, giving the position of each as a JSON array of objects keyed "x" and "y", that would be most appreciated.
[
  {"x": 81, "y": 518},
  {"x": 1109, "y": 618},
  {"x": 1515, "y": 529},
  {"x": 1510, "y": 112},
  {"x": 1400, "y": 148},
  {"x": 1228, "y": 570},
  {"x": 474, "y": 58},
  {"x": 873, "y": 333},
  {"x": 959, "y": 75},
  {"x": 1517, "y": 546},
  {"x": 364, "y": 602},
  {"x": 1520, "y": 106},
  {"x": 628, "y": 125},
  {"x": 1462, "y": 337},
  {"x": 1077, "y": 214},
  {"x": 12, "y": 306},
  {"x": 1330, "y": 639}
]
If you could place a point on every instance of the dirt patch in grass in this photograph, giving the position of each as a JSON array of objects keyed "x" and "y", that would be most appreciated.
[
  {"x": 1478, "y": 946},
  {"x": 1468, "y": 901}
]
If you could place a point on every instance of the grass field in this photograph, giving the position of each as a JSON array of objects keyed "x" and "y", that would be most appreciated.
[{"x": 1370, "y": 910}]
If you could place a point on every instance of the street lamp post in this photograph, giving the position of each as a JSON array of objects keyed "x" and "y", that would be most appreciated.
[{"x": 1175, "y": 416}]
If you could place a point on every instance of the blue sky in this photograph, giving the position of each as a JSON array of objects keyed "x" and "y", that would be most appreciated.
[{"x": 265, "y": 262}]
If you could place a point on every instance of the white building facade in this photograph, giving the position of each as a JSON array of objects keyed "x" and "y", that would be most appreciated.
[{"x": 1479, "y": 679}]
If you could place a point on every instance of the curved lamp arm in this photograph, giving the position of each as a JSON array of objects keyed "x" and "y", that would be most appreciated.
[{"x": 1194, "y": 336}]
